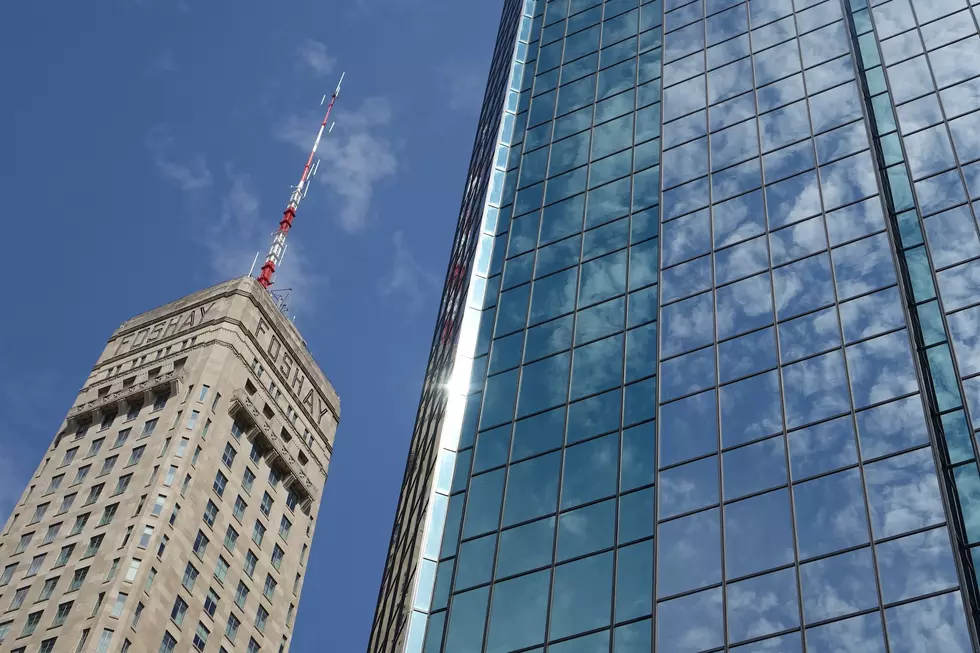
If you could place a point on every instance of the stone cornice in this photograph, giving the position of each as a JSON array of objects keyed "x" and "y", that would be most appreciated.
[
  {"x": 261, "y": 426},
  {"x": 171, "y": 379}
]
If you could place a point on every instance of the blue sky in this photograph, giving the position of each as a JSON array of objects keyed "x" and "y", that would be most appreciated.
[{"x": 168, "y": 132}]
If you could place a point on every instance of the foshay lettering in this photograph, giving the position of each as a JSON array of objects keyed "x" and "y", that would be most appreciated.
[
  {"x": 310, "y": 398},
  {"x": 164, "y": 329}
]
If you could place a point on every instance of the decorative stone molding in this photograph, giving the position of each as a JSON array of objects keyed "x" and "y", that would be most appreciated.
[
  {"x": 145, "y": 387},
  {"x": 263, "y": 431}
]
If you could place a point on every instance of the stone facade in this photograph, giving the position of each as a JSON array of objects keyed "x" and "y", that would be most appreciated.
[{"x": 175, "y": 507}]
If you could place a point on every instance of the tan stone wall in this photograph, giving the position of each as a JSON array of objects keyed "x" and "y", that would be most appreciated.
[{"x": 233, "y": 339}]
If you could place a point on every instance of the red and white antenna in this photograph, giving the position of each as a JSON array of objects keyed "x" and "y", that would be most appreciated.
[{"x": 278, "y": 248}]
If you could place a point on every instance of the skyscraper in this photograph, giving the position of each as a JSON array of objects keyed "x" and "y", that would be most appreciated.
[
  {"x": 707, "y": 369},
  {"x": 175, "y": 507}
]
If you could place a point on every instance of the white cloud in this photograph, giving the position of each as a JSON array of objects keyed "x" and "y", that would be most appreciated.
[
  {"x": 407, "y": 280},
  {"x": 314, "y": 55},
  {"x": 357, "y": 156},
  {"x": 236, "y": 225},
  {"x": 190, "y": 175}
]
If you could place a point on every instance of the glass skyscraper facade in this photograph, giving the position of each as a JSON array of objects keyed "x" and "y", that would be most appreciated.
[{"x": 707, "y": 370}]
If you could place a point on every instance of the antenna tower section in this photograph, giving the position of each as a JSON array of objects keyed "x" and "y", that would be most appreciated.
[{"x": 278, "y": 248}]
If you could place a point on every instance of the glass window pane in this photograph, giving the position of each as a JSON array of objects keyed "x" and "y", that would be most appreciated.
[
  {"x": 859, "y": 633},
  {"x": 475, "y": 562},
  {"x": 467, "y": 620},
  {"x": 872, "y": 314},
  {"x": 903, "y": 493},
  {"x": 916, "y": 565},
  {"x": 602, "y": 278},
  {"x": 594, "y": 416},
  {"x": 810, "y": 334},
  {"x": 526, "y": 547},
  {"x": 815, "y": 388},
  {"x": 687, "y": 325},
  {"x": 636, "y": 515},
  {"x": 754, "y": 468},
  {"x": 634, "y": 581},
  {"x": 544, "y": 384},
  {"x": 797, "y": 241},
  {"x": 590, "y": 471},
  {"x": 835, "y": 587},
  {"x": 518, "y": 612},
  {"x": 586, "y": 530},
  {"x": 758, "y": 534},
  {"x": 750, "y": 409},
  {"x": 493, "y": 446},
  {"x": 582, "y": 596},
  {"x": 639, "y": 446},
  {"x": 881, "y": 369},
  {"x": 689, "y": 553},
  {"x": 892, "y": 427},
  {"x": 532, "y": 489},
  {"x": 483, "y": 507},
  {"x": 686, "y": 238},
  {"x": 742, "y": 260},
  {"x": 688, "y": 373},
  {"x": 803, "y": 286},
  {"x": 939, "y": 620},
  {"x": 822, "y": 448},
  {"x": 830, "y": 513},
  {"x": 689, "y": 487},
  {"x": 691, "y": 623},
  {"x": 762, "y": 605},
  {"x": 748, "y": 354},
  {"x": 596, "y": 367},
  {"x": 688, "y": 428},
  {"x": 538, "y": 434},
  {"x": 633, "y": 638}
]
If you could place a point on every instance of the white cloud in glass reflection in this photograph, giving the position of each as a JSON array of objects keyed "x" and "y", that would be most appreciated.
[
  {"x": 687, "y": 324},
  {"x": 892, "y": 427},
  {"x": 903, "y": 493},
  {"x": 936, "y": 624},
  {"x": 763, "y": 605},
  {"x": 916, "y": 565},
  {"x": 872, "y": 314},
  {"x": 919, "y": 113},
  {"x": 815, "y": 388},
  {"x": 929, "y": 151},
  {"x": 822, "y": 448},
  {"x": 792, "y": 200},
  {"x": 741, "y": 260},
  {"x": 855, "y": 635},
  {"x": 689, "y": 553},
  {"x": 964, "y": 330},
  {"x": 688, "y": 487},
  {"x": 848, "y": 180},
  {"x": 960, "y": 286},
  {"x": 893, "y": 17},
  {"x": 691, "y": 623},
  {"x": 838, "y": 586},
  {"x": 881, "y": 369},
  {"x": 952, "y": 236},
  {"x": 830, "y": 514},
  {"x": 956, "y": 62},
  {"x": 744, "y": 305}
]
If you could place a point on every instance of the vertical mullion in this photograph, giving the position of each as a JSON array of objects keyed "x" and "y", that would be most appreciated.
[
  {"x": 843, "y": 340},
  {"x": 779, "y": 357}
]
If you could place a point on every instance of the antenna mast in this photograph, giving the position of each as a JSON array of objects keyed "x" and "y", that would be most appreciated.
[{"x": 278, "y": 248}]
